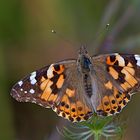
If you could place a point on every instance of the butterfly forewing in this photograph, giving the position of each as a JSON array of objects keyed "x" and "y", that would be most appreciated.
[
  {"x": 120, "y": 79},
  {"x": 40, "y": 85}
]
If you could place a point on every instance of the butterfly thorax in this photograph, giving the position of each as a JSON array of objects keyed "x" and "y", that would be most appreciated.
[
  {"x": 84, "y": 64},
  {"x": 84, "y": 61}
]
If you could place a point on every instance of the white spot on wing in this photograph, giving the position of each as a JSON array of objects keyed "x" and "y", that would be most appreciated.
[
  {"x": 33, "y": 101},
  {"x": 120, "y": 60},
  {"x": 33, "y": 81},
  {"x": 116, "y": 54},
  {"x": 40, "y": 104},
  {"x": 32, "y": 91},
  {"x": 33, "y": 73},
  {"x": 32, "y": 78},
  {"x": 50, "y": 71},
  {"x": 137, "y": 57},
  {"x": 20, "y": 83}
]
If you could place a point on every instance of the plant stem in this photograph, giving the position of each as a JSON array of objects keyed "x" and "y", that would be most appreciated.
[{"x": 96, "y": 136}]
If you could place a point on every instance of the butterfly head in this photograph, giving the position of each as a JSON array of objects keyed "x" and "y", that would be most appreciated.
[{"x": 84, "y": 60}]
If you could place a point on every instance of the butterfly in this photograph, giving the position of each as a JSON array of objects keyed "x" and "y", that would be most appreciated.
[{"x": 76, "y": 89}]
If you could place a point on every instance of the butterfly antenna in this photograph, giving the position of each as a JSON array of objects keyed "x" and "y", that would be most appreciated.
[
  {"x": 102, "y": 31},
  {"x": 63, "y": 38},
  {"x": 100, "y": 34}
]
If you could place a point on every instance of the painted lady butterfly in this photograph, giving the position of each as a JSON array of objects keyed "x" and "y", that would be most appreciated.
[{"x": 76, "y": 89}]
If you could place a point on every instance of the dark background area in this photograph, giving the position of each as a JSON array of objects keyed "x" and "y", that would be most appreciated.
[{"x": 27, "y": 44}]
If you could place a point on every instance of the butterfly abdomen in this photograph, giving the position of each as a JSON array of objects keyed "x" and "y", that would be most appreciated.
[{"x": 87, "y": 85}]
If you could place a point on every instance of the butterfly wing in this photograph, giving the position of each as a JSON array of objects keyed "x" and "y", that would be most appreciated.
[
  {"x": 118, "y": 78},
  {"x": 57, "y": 86}
]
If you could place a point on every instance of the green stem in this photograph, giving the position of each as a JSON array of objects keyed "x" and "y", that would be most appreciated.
[{"x": 96, "y": 136}]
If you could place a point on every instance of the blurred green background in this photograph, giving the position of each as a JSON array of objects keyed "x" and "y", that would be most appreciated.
[{"x": 26, "y": 44}]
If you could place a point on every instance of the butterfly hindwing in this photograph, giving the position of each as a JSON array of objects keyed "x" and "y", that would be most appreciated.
[
  {"x": 120, "y": 79},
  {"x": 73, "y": 105},
  {"x": 55, "y": 86}
]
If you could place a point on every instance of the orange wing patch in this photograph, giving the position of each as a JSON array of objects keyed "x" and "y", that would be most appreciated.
[
  {"x": 51, "y": 84},
  {"x": 52, "y": 98},
  {"x": 130, "y": 70},
  {"x": 73, "y": 110},
  {"x": 129, "y": 77},
  {"x": 108, "y": 85},
  {"x": 81, "y": 109},
  {"x": 46, "y": 89},
  {"x": 113, "y": 104},
  {"x": 125, "y": 86},
  {"x": 106, "y": 104},
  {"x": 70, "y": 93},
  {"x": 44, "y": 82},
  {"x": 113, "y": 72},
  {"x": 60, "y": 81}
]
